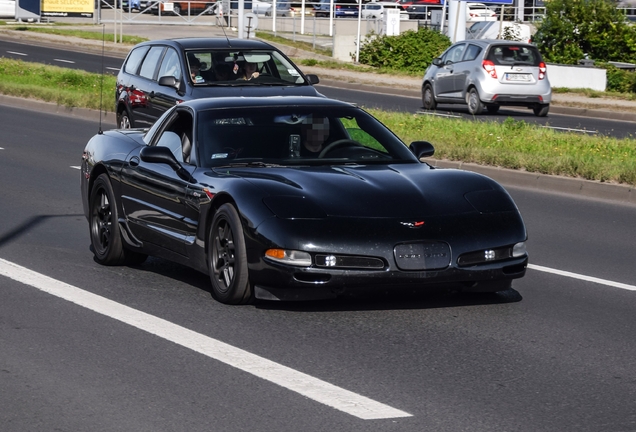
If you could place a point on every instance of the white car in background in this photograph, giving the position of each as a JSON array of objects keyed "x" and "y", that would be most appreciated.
[
  {"x": 491, "y": 30},
  {"x": 479, "y": 12},
  {"x": 7, "y": 8},
  {"x": 375, "y": 10}
]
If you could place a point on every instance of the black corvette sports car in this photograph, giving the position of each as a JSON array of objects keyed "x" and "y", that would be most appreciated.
[{"x": 295, "y": 198}]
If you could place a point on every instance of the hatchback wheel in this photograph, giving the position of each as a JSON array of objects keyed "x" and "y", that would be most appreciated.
[
  {"x": 541, "y": 110},
  {"x": 475, "y": 106},
  {"x": 428, "y": 98}
]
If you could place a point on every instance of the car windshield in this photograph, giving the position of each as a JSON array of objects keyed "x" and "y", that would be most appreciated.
[
  {"x": 246, "y": 67},
  {"x": 295, "y": 136}
]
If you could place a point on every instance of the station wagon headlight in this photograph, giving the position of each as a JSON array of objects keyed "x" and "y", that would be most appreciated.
[{"x": 289, "y": 257}]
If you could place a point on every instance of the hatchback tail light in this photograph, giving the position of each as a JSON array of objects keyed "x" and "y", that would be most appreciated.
[
  {"x": 542, "y": 70},
  {"x": 490, "y": 68}
]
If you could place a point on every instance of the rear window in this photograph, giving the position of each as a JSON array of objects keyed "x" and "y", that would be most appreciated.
[{"x": 513, "y": 54}]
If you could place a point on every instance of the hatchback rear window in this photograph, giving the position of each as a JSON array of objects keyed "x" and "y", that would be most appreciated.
[{"x": 514, "y": 55}]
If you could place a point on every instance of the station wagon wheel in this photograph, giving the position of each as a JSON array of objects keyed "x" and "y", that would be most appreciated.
[
  {"x": 475, "y": 106},
  {"x": 428, "y": 98},
  {"x": 125, "y": 122},
  {"x": 227, "y": 258}
]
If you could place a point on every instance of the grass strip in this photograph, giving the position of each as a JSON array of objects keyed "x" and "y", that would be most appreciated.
[
  {"x": 96, "y": 34},
  {"x": 510, "y": 144}
]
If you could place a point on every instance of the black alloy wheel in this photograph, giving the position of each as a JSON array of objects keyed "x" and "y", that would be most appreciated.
[
  {"x": 106, "y": 241},
  {"x": 227, "y": 258}
]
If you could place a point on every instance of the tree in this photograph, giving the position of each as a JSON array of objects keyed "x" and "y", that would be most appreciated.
[{"x": 574, "y": 29}]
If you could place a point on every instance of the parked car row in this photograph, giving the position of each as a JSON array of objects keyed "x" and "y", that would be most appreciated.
[{"x": 412, "y": 9}]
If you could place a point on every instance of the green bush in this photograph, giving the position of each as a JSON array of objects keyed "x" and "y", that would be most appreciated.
[
  {"x": 411, "y": 51},
  {"x": 573, "y": 28},
  {"x": 620, "y": 80}
]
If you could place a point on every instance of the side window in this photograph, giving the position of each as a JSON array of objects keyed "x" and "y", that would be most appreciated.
[
  {"x": 134, "y": 59},
  {"x": 170, "y": 66},
  {"x": 177, "y": 136},
  {"x": 149, "y": 66},
  {"x": 454, "y": 54},
  {"x": 472, "y": 52}
]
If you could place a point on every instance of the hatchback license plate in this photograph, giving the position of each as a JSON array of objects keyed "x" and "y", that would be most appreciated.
[{"x": 517, "y": 77}]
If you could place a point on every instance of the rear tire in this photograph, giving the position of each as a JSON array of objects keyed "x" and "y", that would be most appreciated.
[
  {"x": 541, "y": 110},
  {"x": 227, "y": 258},
  {"x": 492, "y": 109},
  {"x": 428, "y": 98},
  {"x": 475, "y": 106},
  {"x": 106, "y": 241}
]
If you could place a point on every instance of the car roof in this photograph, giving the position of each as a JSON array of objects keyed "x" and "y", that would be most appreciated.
[
  {"x": 263, "y": 102},
  {"x": 489, "y": 42},
  {"x": 216, "y": 42}
]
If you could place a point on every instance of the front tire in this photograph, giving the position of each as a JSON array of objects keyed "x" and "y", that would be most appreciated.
[
  {"x": 428, "y": 98},
  {"x": 475, "y": 106},
  {"x": 227, "y": 258}
]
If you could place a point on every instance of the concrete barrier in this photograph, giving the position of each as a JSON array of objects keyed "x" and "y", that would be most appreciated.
[{"x": 573, "y": 76}]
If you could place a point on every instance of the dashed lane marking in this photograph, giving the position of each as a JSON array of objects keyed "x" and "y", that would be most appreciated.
[
  {"x": 64, "y": 61},
  {"x": 17, "y": 53},
  {"x": 301, "y": 383}
]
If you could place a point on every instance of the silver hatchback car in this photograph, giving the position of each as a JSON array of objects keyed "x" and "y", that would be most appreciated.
[{"x": 488, "y": 73}]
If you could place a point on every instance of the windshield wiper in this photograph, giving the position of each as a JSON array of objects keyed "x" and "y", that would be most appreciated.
[{"x": 255, "y": 164}]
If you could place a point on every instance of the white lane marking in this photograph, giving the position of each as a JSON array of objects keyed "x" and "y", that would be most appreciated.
[
  {"x": 583, "y": 277},
  {"x": 17, "y": 53},
  {"x": 1, "y": 148},
  {"x": 64, "y": 61},
  {"x": 569, "y": 129},
  {"x": 76, "y": 167},
  {"x": 306, "y": 385},
  {"x": 112, "y": 68}
]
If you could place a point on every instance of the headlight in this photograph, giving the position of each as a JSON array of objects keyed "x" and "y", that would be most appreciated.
[
  {"x": 491, "y": 255},
  {"x": 519, "y": 250},
  {"x": 289, "y": 257}
]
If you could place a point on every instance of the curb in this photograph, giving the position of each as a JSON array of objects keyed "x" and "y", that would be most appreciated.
[{"x": 107, "y": 118}]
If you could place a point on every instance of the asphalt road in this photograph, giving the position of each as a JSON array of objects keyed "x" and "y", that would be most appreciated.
[
  {"x": 554, "y": 354},
  {"x": 93, "y": 63}
]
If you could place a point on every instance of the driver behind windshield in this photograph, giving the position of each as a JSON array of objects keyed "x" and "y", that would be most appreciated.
[{"x": 314, "y": 133}]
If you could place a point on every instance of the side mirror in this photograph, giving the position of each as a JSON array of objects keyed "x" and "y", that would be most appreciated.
[
  {"x": 422, "y": 149},
  {"x": 159, "y": 154},
  {"x": 313, "y": 79},
  {"x": 169, "y": 81},
  {"x": 438, "y": 62}
]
